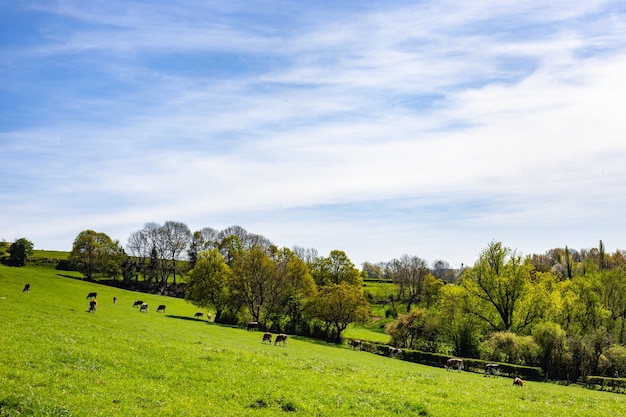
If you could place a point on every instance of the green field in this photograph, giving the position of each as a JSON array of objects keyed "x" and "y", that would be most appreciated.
[{"x": 57, "y": 359}]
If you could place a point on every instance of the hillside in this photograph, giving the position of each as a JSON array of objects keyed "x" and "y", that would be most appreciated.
[{"x": 59, "y": 360}]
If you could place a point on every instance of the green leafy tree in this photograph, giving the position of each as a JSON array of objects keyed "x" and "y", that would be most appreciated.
[
  {"x": 461, "y": 330},
  {"x": 552, "y": 342},
  {"x": 338, "y": 305},
  {"x": 293, "y": 286},
  {"x": 418, "y": 329},
  {"x": 19, "y": 251},
  {"x": 334, "y": 269},
  {"x": 498, "y": 282},
  {"x": 255, "y": 281},
  {"x": 209, "y": 283},
  {"x": 94, "y": 252}
]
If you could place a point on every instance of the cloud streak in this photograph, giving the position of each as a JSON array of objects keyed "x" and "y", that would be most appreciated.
[{"x": 427, "y": 128}]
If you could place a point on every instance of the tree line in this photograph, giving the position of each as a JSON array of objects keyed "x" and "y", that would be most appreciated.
[{"x": 564, "y": 310}]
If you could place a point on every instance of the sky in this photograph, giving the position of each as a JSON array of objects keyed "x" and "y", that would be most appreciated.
[{"x": 427, "y": 128}]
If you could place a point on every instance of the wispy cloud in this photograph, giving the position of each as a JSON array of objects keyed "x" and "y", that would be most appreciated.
[{"x": 425, "y": 128}]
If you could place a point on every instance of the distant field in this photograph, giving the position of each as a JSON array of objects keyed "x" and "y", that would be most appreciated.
[
  {"x": 50, "y": 254},
  {"x": 56, "y": 359}
]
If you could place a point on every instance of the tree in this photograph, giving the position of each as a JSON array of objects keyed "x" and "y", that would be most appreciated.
[
  {"x": 94, "y": 252},
  {"x": 176, "y": 236},
  {"x": 334, "y": 269},
  {"x": 552, "y": 342},
  {"x": 417, "y": 329},
  {"x": 209, "y": 282},
  {"x": 294, "y": 285},
  {"x": 19, "y": 251},
  {"x": 409, "y": 273},
  {"x": 498, "y": 281},
  {"x": 338, "y": 305},
  {"x": 255, "y": 280}
]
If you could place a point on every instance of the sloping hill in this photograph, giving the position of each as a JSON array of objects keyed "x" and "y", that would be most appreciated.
[{"x": 57, "y": 359}]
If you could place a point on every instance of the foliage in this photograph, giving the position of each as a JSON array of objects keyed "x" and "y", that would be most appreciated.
[
  {"x": 415, "y": 330},
  {"x": 338, "y": 305},
  {"x": 19, "y": 251},
  {"x": 208, "y": 283},
  {"x": 334, "y": 269},
  {"x": 93, "y": 253}
]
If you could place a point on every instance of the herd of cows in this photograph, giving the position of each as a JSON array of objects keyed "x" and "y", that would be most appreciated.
[{"x": 281, "y": 339}]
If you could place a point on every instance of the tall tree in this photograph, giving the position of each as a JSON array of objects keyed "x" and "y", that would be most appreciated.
[
  {"x": 498, "y": 281},
  {"x": 209, "y": 283},
  {"x": 334, "y": 269},
  {"x": 338, "y": 305},
  {"x": 94, "y": 252},
  {"x": 176, "y": 236},
  {"x": 20, "y": 250},
  {"x": 255, "y": 280},
  {"x": 409, "y": 273}
]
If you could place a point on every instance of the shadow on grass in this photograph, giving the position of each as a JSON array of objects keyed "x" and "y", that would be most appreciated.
[{"x": 188, "y": 318}]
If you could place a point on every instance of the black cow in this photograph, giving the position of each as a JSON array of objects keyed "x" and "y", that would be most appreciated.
[
  {"x": 144, "y": 307},
  {"x": 92, "y": 295},
  {"x": 138, "y": 303},
  {"x": 267, "y": 338},
  {"x": 281, "y": 339},
  {"x": 252, "y": 326},
  {"x": 92, "y": 306},
  {"x": 491, "y": 369},
  {"x": 394, "y": 352},
  {"x": 198, "y": 315},
  {"x": 357, "y": 344},
  {"x": 26, "y": 288},
  {"x": 161, "y": 308}
]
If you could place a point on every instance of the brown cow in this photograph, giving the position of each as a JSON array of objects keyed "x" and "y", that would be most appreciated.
[
  {"x": 281, "y": 339},
  {"x": 267, "y": 338},
  {"x": 92, "y": 306},
  {"x": 252, "y": 326},
  {"x": 518, "y": 381},
  {"x": 198, "y": 315},
  {"x": 454, "y": 363}
]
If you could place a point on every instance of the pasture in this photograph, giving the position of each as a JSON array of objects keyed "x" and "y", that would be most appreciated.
[{"x": 57, "y": 359}]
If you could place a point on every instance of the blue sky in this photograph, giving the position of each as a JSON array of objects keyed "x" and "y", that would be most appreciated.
[{"x": 426, "y": 128}]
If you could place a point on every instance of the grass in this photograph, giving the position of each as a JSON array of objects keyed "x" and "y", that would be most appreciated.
[{"x": 56, "y": 359}]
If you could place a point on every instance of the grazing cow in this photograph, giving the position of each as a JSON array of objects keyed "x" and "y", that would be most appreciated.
[
  {"x": 281, "y": 339},
  {"x": 518, "y": 381},
  {"x": 137, "y": 303},
  {"x": 198, "y": 315},
  {"x": 267, "y": 338},
  {"x": 161, "y": 308},
  {"x": 92, "y": 306},
  {"x": 208, "y": 316},
  {"x": 394, "y": 352},
  {"x": 92, "y": 295},
  {"x": 252, "y": 326},
  {"x": 144, "y": 307},
  {"x": 357, "y": 344},
  {"x": 454, "y": 363},
  {"x": 491, "y": 369},
  {"x": 114, "y": 300},
  {"x": 26, "y": 288}
]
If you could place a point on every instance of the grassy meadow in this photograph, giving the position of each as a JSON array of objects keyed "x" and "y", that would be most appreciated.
[{"x": 57, "y": 359}]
